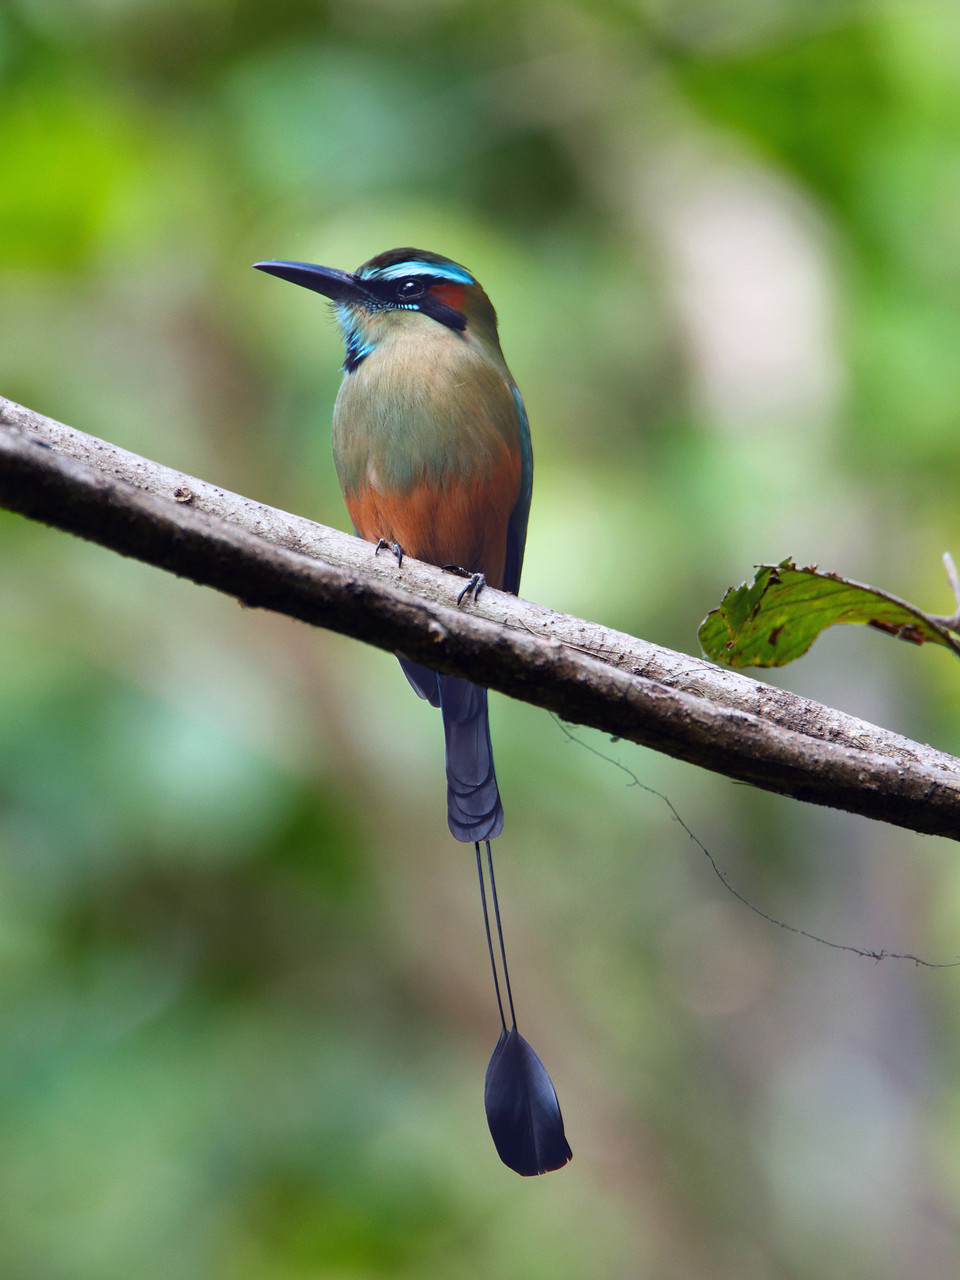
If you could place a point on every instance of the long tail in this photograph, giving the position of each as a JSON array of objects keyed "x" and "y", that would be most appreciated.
[
  {"x": 519, "y": 1097},
  {"x": 520, "y": 1101},
  {"x": 474, "y": 811}
]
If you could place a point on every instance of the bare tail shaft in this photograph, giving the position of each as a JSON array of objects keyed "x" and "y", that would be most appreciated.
[{"x": 521, "y": 1103}]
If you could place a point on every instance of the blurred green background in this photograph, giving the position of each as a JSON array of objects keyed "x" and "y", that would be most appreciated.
[{"x": 244, "y": 1004}]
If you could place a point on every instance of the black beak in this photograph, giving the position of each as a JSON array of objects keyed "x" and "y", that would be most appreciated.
[{"x": 339, "y": 286}]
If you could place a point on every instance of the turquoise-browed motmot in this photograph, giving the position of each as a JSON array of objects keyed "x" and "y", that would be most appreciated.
[{"x": 432, "y": 449}]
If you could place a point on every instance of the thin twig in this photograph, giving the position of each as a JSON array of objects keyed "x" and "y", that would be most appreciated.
[
  {"x": 866, "y": 953},
  {"x": 952, "y": 623}
]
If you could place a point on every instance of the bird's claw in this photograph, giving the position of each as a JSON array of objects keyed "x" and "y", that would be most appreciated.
[
  {"x": 473, "y": 588},
  {"x": 392, "y": 546}
]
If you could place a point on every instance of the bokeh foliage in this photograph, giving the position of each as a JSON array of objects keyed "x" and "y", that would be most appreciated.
[{"x": 243, "y": 997}]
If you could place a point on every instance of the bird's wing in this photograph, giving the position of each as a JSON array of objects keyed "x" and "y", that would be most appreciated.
[{"x": 517, "y": 524}]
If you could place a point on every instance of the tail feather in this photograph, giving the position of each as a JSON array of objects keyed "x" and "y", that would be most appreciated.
[
  {"x": 424, "y": 680},
  {"x": 474, "y": 811},
  {"x": 522, "y": 1109}
]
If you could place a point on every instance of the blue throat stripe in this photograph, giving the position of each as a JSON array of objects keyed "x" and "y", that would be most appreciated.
[{"x": 414, "y": 268}]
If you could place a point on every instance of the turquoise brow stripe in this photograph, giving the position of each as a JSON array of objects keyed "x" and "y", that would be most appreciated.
[{"x": 400, "y": 269}]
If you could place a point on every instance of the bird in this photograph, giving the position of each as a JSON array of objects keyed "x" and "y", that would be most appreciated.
[{"x": 432, "y": 449}]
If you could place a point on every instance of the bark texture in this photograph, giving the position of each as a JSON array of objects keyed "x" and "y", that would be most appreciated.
[{"x": 586, "y": 673}]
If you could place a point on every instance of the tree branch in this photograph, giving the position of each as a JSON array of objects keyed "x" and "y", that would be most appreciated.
[{"x": 586, "y": 673}]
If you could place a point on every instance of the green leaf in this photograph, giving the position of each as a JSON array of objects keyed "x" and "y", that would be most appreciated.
[{"x": 777, "y": 617}]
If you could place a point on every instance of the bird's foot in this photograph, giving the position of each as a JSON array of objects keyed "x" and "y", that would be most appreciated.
[
  {"x": 474, "y": 586},
  {"x": 393, "y": 546}
]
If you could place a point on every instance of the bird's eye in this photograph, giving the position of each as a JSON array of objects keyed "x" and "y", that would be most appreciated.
[{"x": 410, "y": 288}]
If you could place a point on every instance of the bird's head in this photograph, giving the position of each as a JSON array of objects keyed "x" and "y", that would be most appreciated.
[{"x": 401, "y": 289}]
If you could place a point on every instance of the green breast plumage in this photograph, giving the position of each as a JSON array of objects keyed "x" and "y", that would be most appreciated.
[{"x": 425, "y": 405}]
